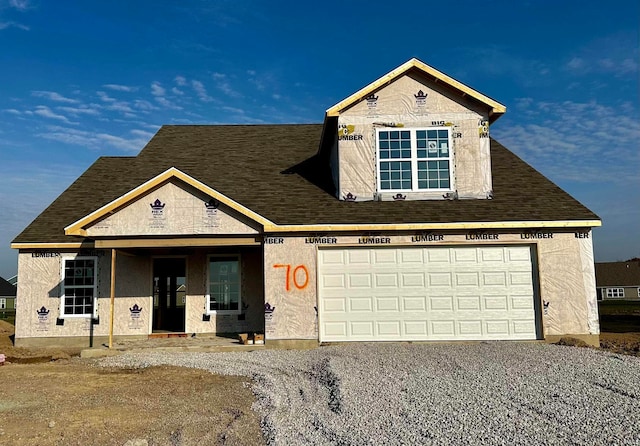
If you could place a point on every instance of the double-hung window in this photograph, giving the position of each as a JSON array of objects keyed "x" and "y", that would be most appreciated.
[
  {"x": 415, "y": 160},
  {"x": 615, "y": 293},
  {"x": 224, "y": 284},
  {"x": 79, "y": 286},
  {"x": 3, "y": 303}
]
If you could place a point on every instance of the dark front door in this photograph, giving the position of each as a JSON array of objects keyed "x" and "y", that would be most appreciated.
[{"x": 169, "y": 294}]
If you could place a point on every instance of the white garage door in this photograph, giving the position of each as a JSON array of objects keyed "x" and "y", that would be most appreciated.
[{"x": 426, "y": 293}]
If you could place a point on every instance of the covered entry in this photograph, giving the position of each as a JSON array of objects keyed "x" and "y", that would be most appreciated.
[
  {"x": 169, "y": 294},
  {"x": 427, "y": 293}
]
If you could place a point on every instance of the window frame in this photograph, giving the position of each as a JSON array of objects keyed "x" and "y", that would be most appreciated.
[
  {"x": 3, "y": 303},
  {"x": 63, "y": 288},
  {"x": 414, "y": 160},
  {"x": 618, "y": 291},
  {"x": 211, "y": 257}
]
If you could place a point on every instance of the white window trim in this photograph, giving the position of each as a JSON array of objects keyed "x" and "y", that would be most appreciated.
[
  {"x": 3, "y": 303},
  {"x": 615, "y": 290},
  {"x": 208, "y": 295},
  {"x": 638, "y": 292},
  {"x": 95, "y": 287},
  {"x": 414, "y": 162}
]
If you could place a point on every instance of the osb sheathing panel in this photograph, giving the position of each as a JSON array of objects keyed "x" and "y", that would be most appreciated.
[
  {"x": 565, "y": 280},
  {"x": 397, "y": 106},
  {"x": 177, "y": 211}
]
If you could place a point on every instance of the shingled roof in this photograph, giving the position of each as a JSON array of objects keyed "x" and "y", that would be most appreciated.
[
  {"x": 6, "y": 289},
  {"x": 618, "y": 274},
  {"x": 278, "y": 172}
]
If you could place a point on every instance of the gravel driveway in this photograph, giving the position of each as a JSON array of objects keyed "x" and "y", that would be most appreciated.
[{"x": 439, "y": 394}]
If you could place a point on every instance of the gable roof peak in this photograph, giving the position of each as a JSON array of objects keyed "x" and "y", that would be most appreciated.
[{"x": 496, "y": 109}]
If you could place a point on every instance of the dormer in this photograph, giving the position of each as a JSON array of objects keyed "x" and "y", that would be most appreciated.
[{"x": 413, "y": 134}]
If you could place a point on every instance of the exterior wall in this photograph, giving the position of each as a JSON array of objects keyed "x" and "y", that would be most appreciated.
[
  {"x": 134, "y": 277},
  {"x": 183, "y": 212},
  {"x": 563, "y": 261},
  {"x": 397, "y": 106},
  {"x": 10, "y": 302}
]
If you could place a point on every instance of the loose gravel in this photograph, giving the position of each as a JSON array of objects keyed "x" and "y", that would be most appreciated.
[{"x": 432, "y": 394}]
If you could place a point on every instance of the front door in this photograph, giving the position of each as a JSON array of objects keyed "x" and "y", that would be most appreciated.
[{"x": 169, "y": 294}]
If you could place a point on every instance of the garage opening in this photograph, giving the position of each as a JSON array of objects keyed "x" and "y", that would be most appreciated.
[{"x": 442, "y": 293}]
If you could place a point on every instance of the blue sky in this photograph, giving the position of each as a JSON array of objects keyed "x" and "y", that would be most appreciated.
[{"x": 82, "y": 79}]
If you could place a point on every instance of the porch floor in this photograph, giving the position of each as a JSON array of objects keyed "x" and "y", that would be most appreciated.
[{"x": 172, "y": 342}]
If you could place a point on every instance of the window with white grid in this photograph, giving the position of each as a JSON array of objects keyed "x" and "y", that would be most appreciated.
[{"x": 414, "y": 160}]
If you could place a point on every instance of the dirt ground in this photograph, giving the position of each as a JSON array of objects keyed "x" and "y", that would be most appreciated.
[
  {"x": 65, "y": 401},
  {"x": 51, "y": 397}
]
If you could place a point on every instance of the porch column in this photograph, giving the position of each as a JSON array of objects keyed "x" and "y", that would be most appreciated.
[{"x": 112, "y": 295}]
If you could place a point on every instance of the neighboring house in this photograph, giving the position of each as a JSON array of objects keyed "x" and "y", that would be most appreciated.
[
  {"x": 7, "y": 299},
  {"x": 398, "y": 218},
  {"x": 618, "y": 280}
]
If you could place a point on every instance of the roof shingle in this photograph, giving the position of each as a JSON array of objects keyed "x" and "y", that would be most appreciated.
[{"x": 276, "y": 171}]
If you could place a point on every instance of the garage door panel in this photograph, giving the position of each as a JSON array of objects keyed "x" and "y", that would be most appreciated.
[
  {"x": 332, "y": 257},
  {"x": 470, "y": 328},
  {"x": 521, "y": 302},
  {"x": 359, "y": 280},
  {"x": 468, "y": 302},
  {"x": 498, "y": 278},
  {"x": 386, "y": 280},
  {"x": 466, "y": 279},
  {"x": 362, "y": 329},
  {"x": 335, "y": 305},
  {"x": 388, "y": 328},
  {"x": 412, "y": 280},
  {"x": 497, "y": 327},
  {"x": 361, "y": 304},
  {"x": 414, "y": 304},
  {"x": 439, "y": 279},
  {"x": 387, "y": 304},
  {"x": 336, "y": 330},
  {"x": 332, "y": 281},
  {"x": 426, "y": 293},
  {"x": 438, "y": 303},
  {"x": 495, "y": 302},
  {"x": 385, "y": 257},
  {"x": 416, "y": 329},
  {"x": 440, "y": 328}
]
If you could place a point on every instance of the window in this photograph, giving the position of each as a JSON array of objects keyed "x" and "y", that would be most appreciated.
[
  {"x": 638, "y": 292},
  {"x": 615, "y": 293},
  {"x": 3, "y": 303},
  {"x": 79, "y": 286},
  {"x": 224, "y": 284},
  {"x": 415, "y": 160}
]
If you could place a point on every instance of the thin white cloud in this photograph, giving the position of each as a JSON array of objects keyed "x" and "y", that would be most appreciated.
[
  {"x": 53, "y": 96},
  {"x": 104, "y": 97},
  {"x": 98, "y": 140},
  {"x": 181, "y": 81},
  {"x": 223, "y": 85},
  {"x": 13, "y": 111},
  {"x": 20, "y": 5},
  {"x": 5, "y": 25},
  {"x": 177, "y": 91},
  {"x": 577, "y": 141},
  {"x": 143, "y": 105},
  {"x": 156, "y": 89},
  {"x": 167, "y": 103},
  {"x": 117, "y": 87},
  {"x": 45, "y": 112},
  {"x": 82, "y": 110},
  {"x": 616, "y": 55},
  {"x": 198, "y": 87}
]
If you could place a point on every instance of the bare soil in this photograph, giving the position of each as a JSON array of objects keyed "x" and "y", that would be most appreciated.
[
  {"x": 52, "y": 397},
  {"x": 66, "y": 401}
]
